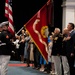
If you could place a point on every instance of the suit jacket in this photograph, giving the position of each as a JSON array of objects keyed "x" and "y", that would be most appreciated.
[
  {"x": 63, "y": 52},
  {"x": 57, "y": 45},
  {"x": 71, "y": 44}
]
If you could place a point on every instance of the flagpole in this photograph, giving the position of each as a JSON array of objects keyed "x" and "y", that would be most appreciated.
[{"x": 20, "y": 30}]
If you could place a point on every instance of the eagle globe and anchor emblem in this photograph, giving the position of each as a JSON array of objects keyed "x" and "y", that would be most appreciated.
[{"x": 44, "y": 31}]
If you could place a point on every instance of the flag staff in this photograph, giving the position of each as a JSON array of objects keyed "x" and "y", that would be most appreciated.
[{"x": 20, "y": 30}]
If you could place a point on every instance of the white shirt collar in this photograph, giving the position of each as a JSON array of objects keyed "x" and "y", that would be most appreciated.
[{"x": 71, "y": 31}]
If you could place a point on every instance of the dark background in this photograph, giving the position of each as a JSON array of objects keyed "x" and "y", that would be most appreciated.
[{"x": 23, "y": 10}]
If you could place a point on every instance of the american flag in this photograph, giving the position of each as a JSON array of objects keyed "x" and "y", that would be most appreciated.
[{"x": 8, "y": 14}]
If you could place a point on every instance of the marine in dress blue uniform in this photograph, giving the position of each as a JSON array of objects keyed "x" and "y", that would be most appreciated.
[{"x": 5, "y": 48}]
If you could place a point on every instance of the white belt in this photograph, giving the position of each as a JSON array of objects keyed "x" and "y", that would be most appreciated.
[{"x": 2, "y": 44}]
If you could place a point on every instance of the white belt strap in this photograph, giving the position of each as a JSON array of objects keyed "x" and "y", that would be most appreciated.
[{"x": 2, "y": 44}]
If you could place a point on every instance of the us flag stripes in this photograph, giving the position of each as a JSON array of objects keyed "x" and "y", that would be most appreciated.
[{"x": 8, "y": 14}]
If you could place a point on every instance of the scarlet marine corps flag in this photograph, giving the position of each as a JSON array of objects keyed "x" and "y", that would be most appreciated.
[{"x": 38, "y": 29}]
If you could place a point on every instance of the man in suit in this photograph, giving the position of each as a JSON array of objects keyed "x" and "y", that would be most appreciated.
[{"x": 70, "y": 46}]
